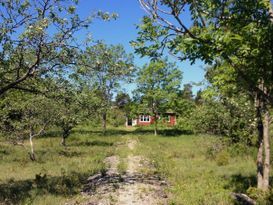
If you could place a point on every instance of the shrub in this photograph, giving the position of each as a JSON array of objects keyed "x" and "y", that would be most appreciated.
[
  {"x": 185, "y": 124},
  {"x": 116, "y": 118}
]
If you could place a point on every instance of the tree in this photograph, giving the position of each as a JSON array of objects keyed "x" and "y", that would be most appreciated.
[
  {"x": 35, "y": 38},
  {"x": 103, "y": 69},
  {"x": 198, "y": 97},
  {"x": 70, "y": 108},
  {"x": 187, "y": 92},
  {"x": 184, "y": 107},
  {"x": 237, "y": 33},
  {"x": 123, "y": 102},
  {"x": 157, "y": 85},
  {"x": 26, "y": 116},
  {"x": 232, "y": 116}
]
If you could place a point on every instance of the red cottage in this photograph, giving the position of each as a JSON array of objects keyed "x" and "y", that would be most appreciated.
[{"x": 168, "y": 118}]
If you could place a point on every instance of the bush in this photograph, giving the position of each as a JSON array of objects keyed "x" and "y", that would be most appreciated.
[
  {"x": 116, "y": 118},
  {"x": 185, "y": 124}
]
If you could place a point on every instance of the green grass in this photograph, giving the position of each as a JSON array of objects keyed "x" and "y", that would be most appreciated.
[
  {"x": 195, "y": 176},
  {"x": 199, "y": 169},
  {"x": 59, "y": 172}
]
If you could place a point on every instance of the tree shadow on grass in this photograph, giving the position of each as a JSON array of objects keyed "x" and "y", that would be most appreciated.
[
  {"x": 70, "y": 154},
  {"x": 17, "y": 192},
  {"x": 109, "y": 132},
  {"x": 167, "y": 132},
  {"x": 93, "y": 143},
  {"x": 113, "y": 132},
  {"x": 51, "y": 134},
  {"x": 175, "y": 132},
  {"x": 239, "y": 183}
]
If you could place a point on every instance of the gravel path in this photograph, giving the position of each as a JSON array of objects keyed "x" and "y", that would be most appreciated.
[{"x": 132, "y": 188}]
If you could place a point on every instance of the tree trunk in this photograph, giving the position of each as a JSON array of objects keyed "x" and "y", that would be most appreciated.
[
  {"x": 263, "y": 157},
  {"x": 104, "y": 123},
  {"x": 266, "y": 134},
  {"x": 260, "y": 144},
  {"x": 31, "y": 154},
  {"x": 66, "y": 133},
  {"x": 155, "y": 125},
  {"x": 260, "y": 157},
  {"x": 266, "y": 140},
  {"x": 63, "y": 142}
]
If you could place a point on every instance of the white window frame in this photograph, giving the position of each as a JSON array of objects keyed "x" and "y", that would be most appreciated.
[{"x": 144, "y": 118}]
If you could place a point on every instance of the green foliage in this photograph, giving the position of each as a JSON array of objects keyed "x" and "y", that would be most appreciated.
[
  {"x": 116, "y": 117},
  {"x": 124, "y": 103},
  {"x": 149, "y": 32},
  {"x": 185, "y": 124},
  {"x": 71, "y": 107},
  {"x": 103, "y": 69},
  {"x": 210, "y": 118},
  {"x": 36, "y": 40},
  {"x": 232, "y": 36},
  {"x": 215, "y": 114},
  {"x": 24, "y": 115},
  {"x": 157, "y": 85}
]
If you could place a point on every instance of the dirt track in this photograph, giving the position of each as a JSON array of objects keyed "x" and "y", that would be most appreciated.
[{"x": 131, "y": 188}]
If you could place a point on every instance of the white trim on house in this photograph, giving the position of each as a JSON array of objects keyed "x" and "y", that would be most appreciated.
[
  {"x": 144, "y": 118},
  {"x": 134, "y": 122}
]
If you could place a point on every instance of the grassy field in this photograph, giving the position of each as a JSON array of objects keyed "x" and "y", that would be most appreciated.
[
  {"x": 199, "y": 169},
  {"x": 59, "y": 172}
]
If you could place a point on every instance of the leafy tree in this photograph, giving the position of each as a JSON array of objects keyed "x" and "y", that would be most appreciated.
[
  {"x": 198, "y": 97},
  {"x": 35, "y": 37},
  {"x": 234, "y": 33},
  {"x": 124, "y": 102},
  {"x": 70, "y": 108},
  {"x": 187, "y": 92},
  {"x": 228, "y": 116},
  {"x": 116, "y": 117},
  {"x": 184, "y": 108},
  {"x": 157, "y": 85},
  {"x": 103, "y": 69},
  {"x": 26, "y": 116}
]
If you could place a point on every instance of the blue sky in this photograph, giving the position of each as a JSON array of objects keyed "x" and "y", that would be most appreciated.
[{"x": 123, "y": 30}]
